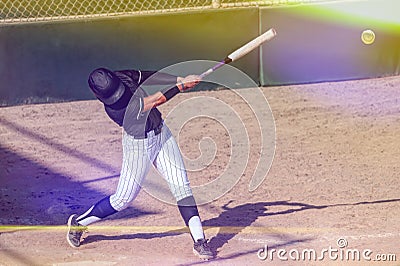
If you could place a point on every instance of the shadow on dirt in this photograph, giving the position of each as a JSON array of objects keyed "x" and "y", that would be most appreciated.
[
  {"x": 33, "y": 193},
  {"x": 234, "y": 220},
  {"x": 96, "y": 238}
]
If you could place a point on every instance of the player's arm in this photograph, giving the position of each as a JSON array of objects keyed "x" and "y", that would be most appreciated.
[
  {"x": 157, "y": 78},
  {"x": 160, "y": 97},
  {"x": 149, "y": 77}
]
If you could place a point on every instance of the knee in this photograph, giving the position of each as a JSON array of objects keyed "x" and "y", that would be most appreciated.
[{"x": 120, "y": 203}]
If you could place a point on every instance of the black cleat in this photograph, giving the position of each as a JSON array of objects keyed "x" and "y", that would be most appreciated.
[
  {"x": 202, "y": 250},
  {"x": 75, "y": 231}
]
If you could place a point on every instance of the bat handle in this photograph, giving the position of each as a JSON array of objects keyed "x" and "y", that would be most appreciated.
[
  {"x": 206, "y": 73},
  {"x": 220, "y": 64}
]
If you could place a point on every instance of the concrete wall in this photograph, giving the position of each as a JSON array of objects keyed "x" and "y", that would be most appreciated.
[
  {"x": 322, "y": 42},
  {"x": 50, "y": 61}
]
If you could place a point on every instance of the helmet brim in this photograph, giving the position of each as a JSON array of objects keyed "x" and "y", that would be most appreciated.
[{"x": 114, "y": 97}]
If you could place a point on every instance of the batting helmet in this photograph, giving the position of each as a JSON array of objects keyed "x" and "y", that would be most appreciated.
[{"x": 107, "y": 87}]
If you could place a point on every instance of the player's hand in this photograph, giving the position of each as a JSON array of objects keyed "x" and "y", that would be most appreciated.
[{"x": 188, "y": 82}]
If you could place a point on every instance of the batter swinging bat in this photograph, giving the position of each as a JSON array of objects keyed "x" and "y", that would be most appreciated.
[{"x": 242, "y": 51}]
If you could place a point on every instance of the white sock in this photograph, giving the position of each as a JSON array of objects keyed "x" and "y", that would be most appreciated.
[{"x": 195, "y": 227}]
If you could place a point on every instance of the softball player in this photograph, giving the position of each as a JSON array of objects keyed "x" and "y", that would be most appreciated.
[{"x": 146, "y": 141}]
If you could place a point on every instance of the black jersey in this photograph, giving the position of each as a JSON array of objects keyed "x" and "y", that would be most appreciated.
[{"x": 133, "y": 96}]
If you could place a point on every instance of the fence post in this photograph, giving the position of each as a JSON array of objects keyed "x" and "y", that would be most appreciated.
[{"x": 216, "y": 3}]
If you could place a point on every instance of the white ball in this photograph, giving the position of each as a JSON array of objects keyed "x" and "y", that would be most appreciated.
[{"x": 368, "y": 37}]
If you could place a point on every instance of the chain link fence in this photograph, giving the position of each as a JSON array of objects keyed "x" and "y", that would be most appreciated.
[{"x": 17, "y": 11}]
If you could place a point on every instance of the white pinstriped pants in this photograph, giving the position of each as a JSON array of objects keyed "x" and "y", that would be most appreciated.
[{"x": 160, "y": 150}]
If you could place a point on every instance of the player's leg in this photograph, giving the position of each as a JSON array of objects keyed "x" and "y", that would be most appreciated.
[
  {"x": 135, "y": 166},
  {"x": 170, "y": 164}
]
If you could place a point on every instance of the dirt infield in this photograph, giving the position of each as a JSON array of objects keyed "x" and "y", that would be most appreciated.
[{"x": 333, "y": 184}]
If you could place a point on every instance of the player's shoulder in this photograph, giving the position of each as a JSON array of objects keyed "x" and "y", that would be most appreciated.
[
  {"x": 132, "y": 73},
  {"x": 131, "y": 78}
]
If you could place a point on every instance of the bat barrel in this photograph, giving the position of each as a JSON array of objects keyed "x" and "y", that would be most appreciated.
[
  {"x": 245, "y": 49},
  {"x": 248, "y": 47}
]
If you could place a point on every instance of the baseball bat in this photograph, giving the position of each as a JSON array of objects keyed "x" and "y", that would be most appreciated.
[{"x": 243, "y": 50}]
